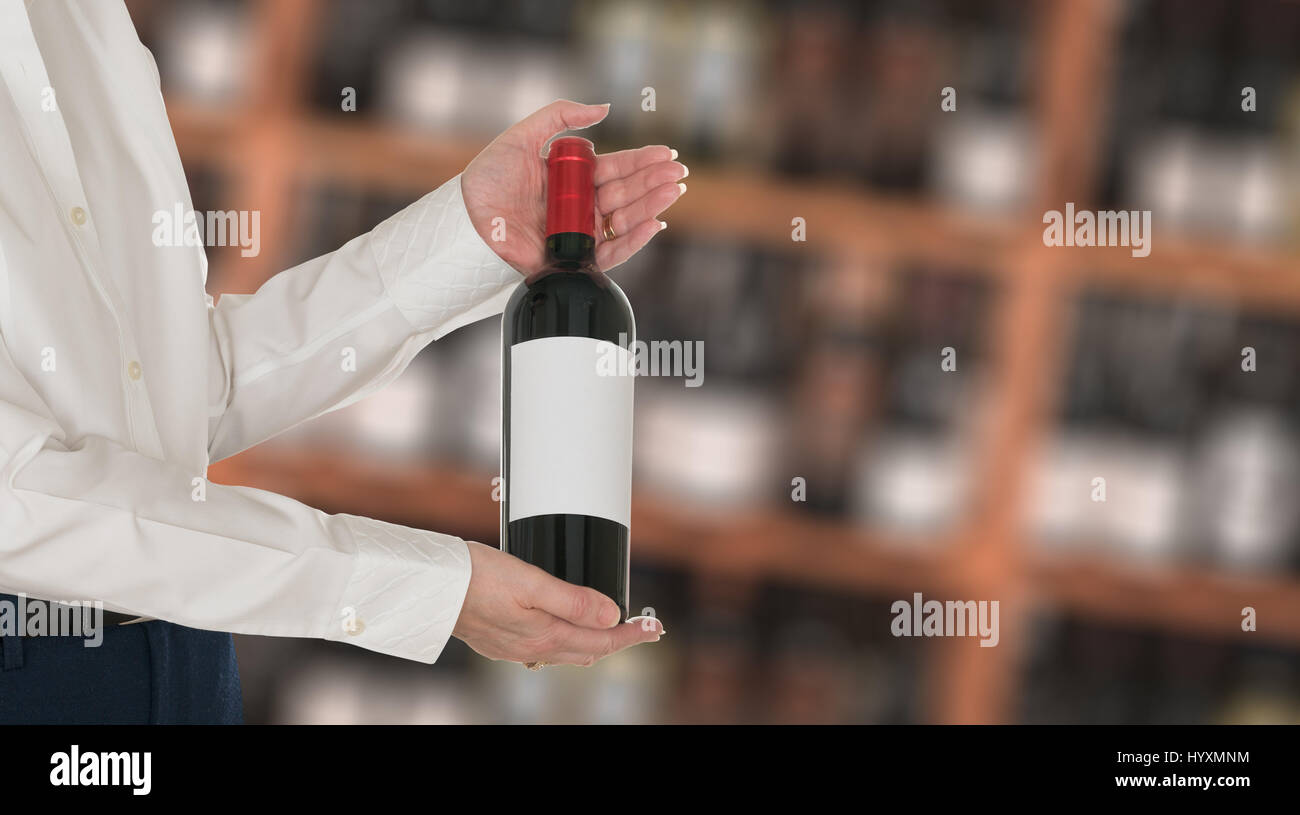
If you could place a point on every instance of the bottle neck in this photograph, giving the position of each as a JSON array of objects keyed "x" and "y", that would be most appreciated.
[
  {"x": 570, "y": 250},
  {"x": 570, "y": 204}
]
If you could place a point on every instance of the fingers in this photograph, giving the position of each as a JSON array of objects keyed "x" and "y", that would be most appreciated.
[
  {"x": 610, "y": 166},
  {"x": 634, "y": 225},
  {"x": 515, "y": 611},
  {"x": 646, "y": 207},
  {"x": 537, "y": 636},
  {"x": 622, "y": 191},
  {"x": 611, "y": 253},
  {"x": 575, "y": 604},
  {"x": 559, "y": 116},
  {"x": 573, "y": 625},
  {"x": 581, "y": 646},
  {"x": 634, "y": 186}
]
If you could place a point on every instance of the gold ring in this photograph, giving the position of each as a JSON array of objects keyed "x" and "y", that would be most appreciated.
[
  {"x": 607, "y": 227},
  {"x": 534, "y": 666}
]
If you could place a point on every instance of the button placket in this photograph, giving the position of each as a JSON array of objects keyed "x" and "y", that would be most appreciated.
[{"x": 23, "y": 71}]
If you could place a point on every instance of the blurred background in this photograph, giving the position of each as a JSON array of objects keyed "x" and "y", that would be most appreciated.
[{"x": 823, "y": 358}]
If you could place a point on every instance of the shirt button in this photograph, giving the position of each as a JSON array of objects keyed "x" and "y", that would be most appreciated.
[
  {"x": 78, "y": 216},
  {"x": 134, "y": 370},
  {"x": 358, "y": 627}
]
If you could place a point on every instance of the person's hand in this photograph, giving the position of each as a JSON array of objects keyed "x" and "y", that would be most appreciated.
[
  {"x": 515, "y": 611},
  {"x": 508, "y": 180}
]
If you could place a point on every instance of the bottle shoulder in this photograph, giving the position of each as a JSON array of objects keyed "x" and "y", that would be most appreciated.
[
  {"x": 564, "y": 284},
  {"x": 568, "y": 303}
]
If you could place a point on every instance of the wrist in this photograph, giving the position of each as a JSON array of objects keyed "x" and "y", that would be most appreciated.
[{"x": 406, "y": 590}]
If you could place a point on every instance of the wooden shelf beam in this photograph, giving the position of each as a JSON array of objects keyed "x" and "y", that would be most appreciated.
[{"x": 769, "y": 545}]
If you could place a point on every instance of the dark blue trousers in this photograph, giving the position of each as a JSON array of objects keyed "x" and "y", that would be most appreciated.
[{"x": 142, "y": 673}]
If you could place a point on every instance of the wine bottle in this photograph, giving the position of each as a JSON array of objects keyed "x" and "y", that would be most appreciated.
[{"x": 566, "y": 397}]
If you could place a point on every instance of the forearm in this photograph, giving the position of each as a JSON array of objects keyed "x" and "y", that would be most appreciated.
[
  {"x": 104, "y": 523},
  {"x": 335, "y": 329}
]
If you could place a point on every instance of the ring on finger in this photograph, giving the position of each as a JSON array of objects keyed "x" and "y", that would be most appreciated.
[{"x": 607, "y": 227}]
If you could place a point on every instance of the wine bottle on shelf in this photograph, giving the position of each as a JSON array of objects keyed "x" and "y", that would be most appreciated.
[{"x": 566, "y": 398}]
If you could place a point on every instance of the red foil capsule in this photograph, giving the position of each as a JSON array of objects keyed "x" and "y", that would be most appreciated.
[{"x": 570, "y": 187}]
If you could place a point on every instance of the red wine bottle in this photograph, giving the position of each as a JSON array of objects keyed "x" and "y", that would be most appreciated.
[{"x": 566, "y": 397}]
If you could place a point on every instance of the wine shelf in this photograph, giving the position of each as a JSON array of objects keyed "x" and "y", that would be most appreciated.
[
  {"x": 1192, "y": 601},
  {"x": 758, "y": 544},
  {"x": 768, "y": 544},
  {"x": 270, "y": 147},
  {"x": 842, "y": 218}
]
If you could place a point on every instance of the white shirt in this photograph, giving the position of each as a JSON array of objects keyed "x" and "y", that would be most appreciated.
[{"x": 120, "y": 381}]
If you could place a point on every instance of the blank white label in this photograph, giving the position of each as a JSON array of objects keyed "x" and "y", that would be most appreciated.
[{"x": 570, "y": 429}]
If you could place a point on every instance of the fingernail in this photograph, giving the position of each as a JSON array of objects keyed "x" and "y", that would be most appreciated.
[
  {"x": 682, "y": 187},
  {"x": 609, "y": 617},
  {"x": 663, "y": 225},
  {"x": 685, "y": 171},
  {"x": 674, "y": 149}
]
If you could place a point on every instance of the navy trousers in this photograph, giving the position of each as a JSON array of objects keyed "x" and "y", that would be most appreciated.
[{"x": 143, "y": 673}]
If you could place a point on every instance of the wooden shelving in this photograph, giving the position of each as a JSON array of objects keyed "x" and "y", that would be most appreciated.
[
  {"x": 756, "y": 544},
  {"x": 1186, "y": 600},
  {"x": 767, "y": 544},
  {"x": 268, "y": 147},
  {"x": 845, "y": 217}
]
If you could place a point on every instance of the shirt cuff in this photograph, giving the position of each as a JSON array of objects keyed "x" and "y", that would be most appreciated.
[
  {"x": 435, "y": 266},
  {"x": 405, "y": 592}
]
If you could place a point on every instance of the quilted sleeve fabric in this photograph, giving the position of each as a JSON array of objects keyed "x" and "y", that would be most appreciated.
[
  {"x": 436, "y": 267},
  {"x": 406, "y": 589},
  {"x": 275, "y": 356}
]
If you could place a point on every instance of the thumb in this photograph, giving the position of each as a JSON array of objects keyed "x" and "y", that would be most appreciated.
[
  {"x": 559, "y": 116},
  {"x": 577, "y": 604}
]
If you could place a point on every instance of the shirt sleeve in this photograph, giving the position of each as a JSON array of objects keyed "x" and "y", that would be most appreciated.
[
  {"x": 101, "y": 522},
  {"x": 337, "y": 328}
]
